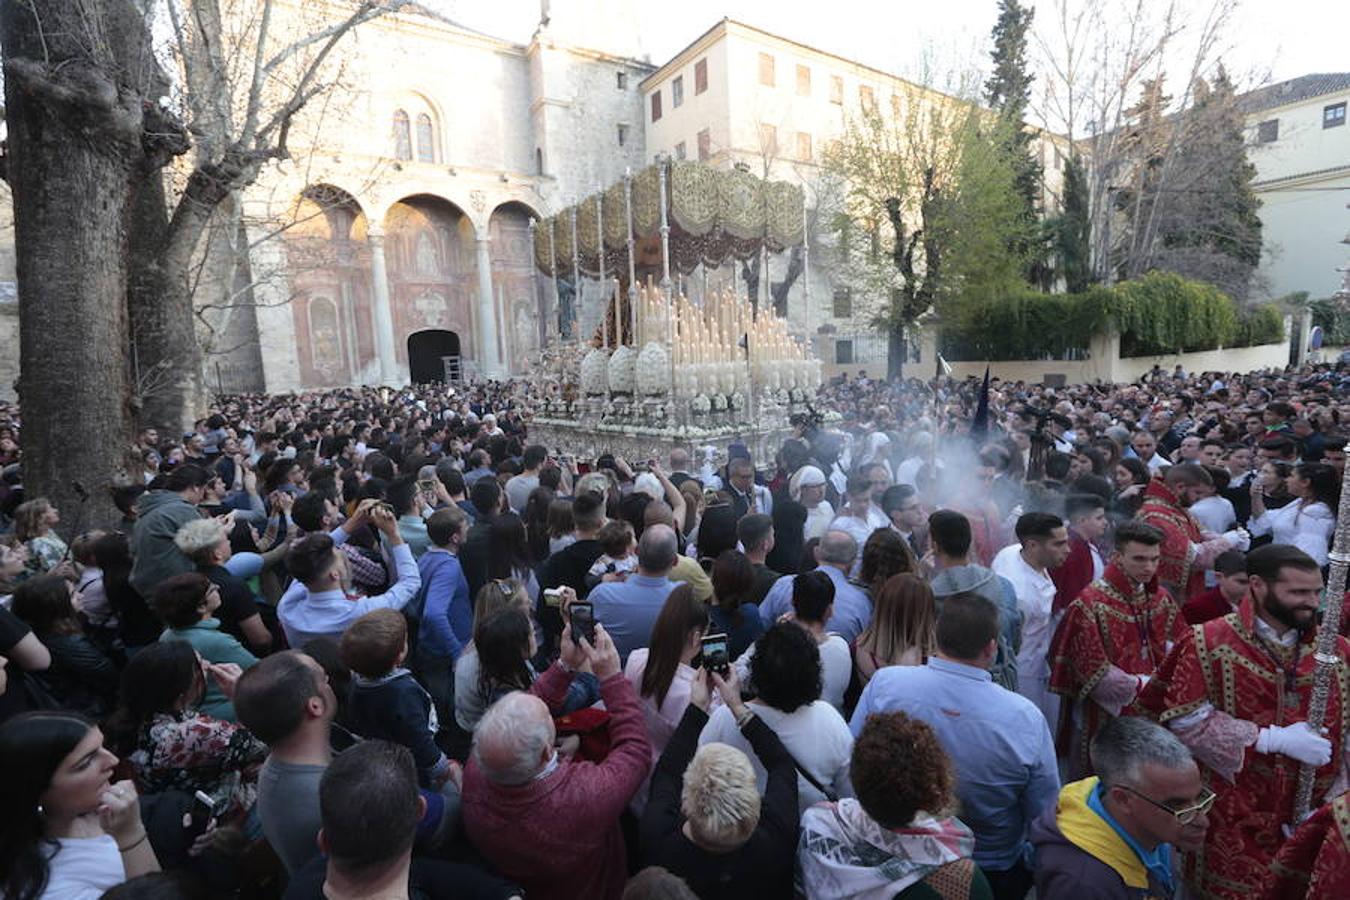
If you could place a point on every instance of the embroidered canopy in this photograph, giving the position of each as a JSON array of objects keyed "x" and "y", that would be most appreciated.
[{"x": 714, "y": 215}]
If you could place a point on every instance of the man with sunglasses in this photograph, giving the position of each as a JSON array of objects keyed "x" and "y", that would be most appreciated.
[
  {"x": 1114, "y": 835},
  {"x": 1237, "y": 690}
]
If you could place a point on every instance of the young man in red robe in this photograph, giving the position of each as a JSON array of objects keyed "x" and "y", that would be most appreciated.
[
  {"x": 1231, "y": 568},
  {"x": 1085, "y": 514},
  {"x": 1186, "y": 551},
  {"x": 1236, "y": 691},
  {"x": 1111, "y": 642}
]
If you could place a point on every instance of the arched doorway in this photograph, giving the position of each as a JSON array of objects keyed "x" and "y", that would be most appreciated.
[
  {"x": 433, "y": 276},
  {"x": 427, "y": 351}
]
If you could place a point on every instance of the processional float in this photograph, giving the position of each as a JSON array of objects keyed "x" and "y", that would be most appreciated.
[{"x": 662, "y": 370}]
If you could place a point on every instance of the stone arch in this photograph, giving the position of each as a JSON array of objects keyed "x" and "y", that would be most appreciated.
[
  {"x": 432, "y": 271},
  {"x": 328, "y": 265},
  {"x": 521, "y": 306}
]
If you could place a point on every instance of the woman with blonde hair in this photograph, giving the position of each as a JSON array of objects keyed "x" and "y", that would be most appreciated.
[
  {"x": 33, "y": 524},
  {"x": 903, "y": 627}
]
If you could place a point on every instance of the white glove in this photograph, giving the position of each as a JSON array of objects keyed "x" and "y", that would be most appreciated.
[
  {"x": 1238, "y": 539},
  {"x": 1298, "y": 741}
]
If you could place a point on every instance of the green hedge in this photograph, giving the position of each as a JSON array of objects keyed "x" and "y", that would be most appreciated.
[
  {"x": 1262, "y": 325},
  {"x": 1158, "y": 314}
]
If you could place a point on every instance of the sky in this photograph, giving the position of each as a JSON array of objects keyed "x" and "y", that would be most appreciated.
[{"x": 1267, "y": 40}]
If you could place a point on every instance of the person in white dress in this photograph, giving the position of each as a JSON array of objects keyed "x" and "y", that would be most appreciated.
[
  {"x": 1044, "y": 545},
  {"x": 1309, "y": 522}
]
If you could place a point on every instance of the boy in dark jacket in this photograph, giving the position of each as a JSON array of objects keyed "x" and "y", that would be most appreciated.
[{"x": 387, "y": 703}]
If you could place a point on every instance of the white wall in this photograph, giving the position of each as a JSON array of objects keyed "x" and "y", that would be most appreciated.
[{"x": 1303, "y": 182}]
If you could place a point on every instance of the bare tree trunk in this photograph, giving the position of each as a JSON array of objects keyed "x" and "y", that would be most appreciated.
[{"x": 75, "y": 129}]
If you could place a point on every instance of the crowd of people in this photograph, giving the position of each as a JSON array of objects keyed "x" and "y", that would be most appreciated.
[{"x": 957, "y": 639}]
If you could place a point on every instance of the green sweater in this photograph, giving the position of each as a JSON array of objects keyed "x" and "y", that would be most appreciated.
[{"x": 214, "y": 646}]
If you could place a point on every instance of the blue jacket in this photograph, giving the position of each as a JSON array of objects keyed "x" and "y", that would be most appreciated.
[{"x": 447, "y": 609}]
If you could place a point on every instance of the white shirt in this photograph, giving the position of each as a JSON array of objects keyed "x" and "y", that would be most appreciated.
[
  {"x": 818, "y": 520},
  {"x": 908, "y": 471},
  {"x": 836, "y": 668},
  {"x": 1214, "y": 514},
  {"x": 1157, "y": 463},
  {"x": 83, "y": 868},
  {"x": 1309, "y": 528},
  {"x": 816, "y": 735},
  {"x": 861, "y": 529},
  {"x": 1035, "y": 598}
]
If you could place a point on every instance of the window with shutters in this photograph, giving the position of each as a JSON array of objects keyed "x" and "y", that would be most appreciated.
[
  {"x": 803, "y": 81},
  {"x": 766, "y": 75},
  {"x": 679, "y": 150},
  {"x": 803, "y": 146},
  {"x": 836, "y": 90},
  {"x": 700, "y": 76},
  {"x": 704, "y": 145},
  {"x": 1333, "y": 115},
  {"x": 677, "y": 92},
  {"x": 621, "y": 81},
  {"x": 1268, "y": 132},
  {"x": 656, "y": 105},
  {"x": 868, "y": 98},
  {"x": 843, "y": 352}
]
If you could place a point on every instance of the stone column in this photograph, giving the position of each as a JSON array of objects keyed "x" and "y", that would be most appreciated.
[
  {"x": 383, "y": 313},
  {"x": 488, "y": 363}
]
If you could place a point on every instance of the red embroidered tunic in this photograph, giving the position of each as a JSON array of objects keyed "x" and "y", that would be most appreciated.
[
  {"x": 1225, "y": 663},
  {"x": 1181, "y": 537},
  {"x": 1314, "y": 864},
  {"x": 1112, "y": 623}
]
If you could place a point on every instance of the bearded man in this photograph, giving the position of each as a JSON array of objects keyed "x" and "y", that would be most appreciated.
[
  {"x": 1186, "y": 551},
  {"x": 1236, "y": 691}
]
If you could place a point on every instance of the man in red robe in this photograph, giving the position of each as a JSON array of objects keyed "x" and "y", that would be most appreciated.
[
  {"x": 1186, "y": 552},
  {"x": 1236, "y": 691},
  {"x": 1085, "y": 514},
  {"x": 1111, "y": 642},
  {"x": 1231, "y": 568},
  {"x": 1314, "y": 864}
]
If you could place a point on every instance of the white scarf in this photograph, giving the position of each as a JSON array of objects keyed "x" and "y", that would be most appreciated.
[{"x": 845, "y": 854}]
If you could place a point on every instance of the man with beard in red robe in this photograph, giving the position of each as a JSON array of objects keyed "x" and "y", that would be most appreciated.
[
  {"x": 1186, "y": 552},
  {"x": 1111, "y": 641},
  {"x": 1236, "y": 691}
]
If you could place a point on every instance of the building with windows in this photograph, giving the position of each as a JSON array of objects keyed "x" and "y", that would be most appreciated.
[
  {"x": 1300, "y": 145},
  {"x": 395, "y": 238},
  {"x": 740, "y": 95}
]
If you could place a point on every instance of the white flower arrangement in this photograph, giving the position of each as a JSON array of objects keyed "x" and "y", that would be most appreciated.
[
  {"x": 719, "y": 403},
  {"x": 623, "y": 370},
  {"x": 653, "y": 370},
  {"x": 700, "y": 405},
  {"x": 594, "y": 372}
]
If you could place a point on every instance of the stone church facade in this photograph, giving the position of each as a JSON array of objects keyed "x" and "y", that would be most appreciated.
[{"x": 398, "y": 235}]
